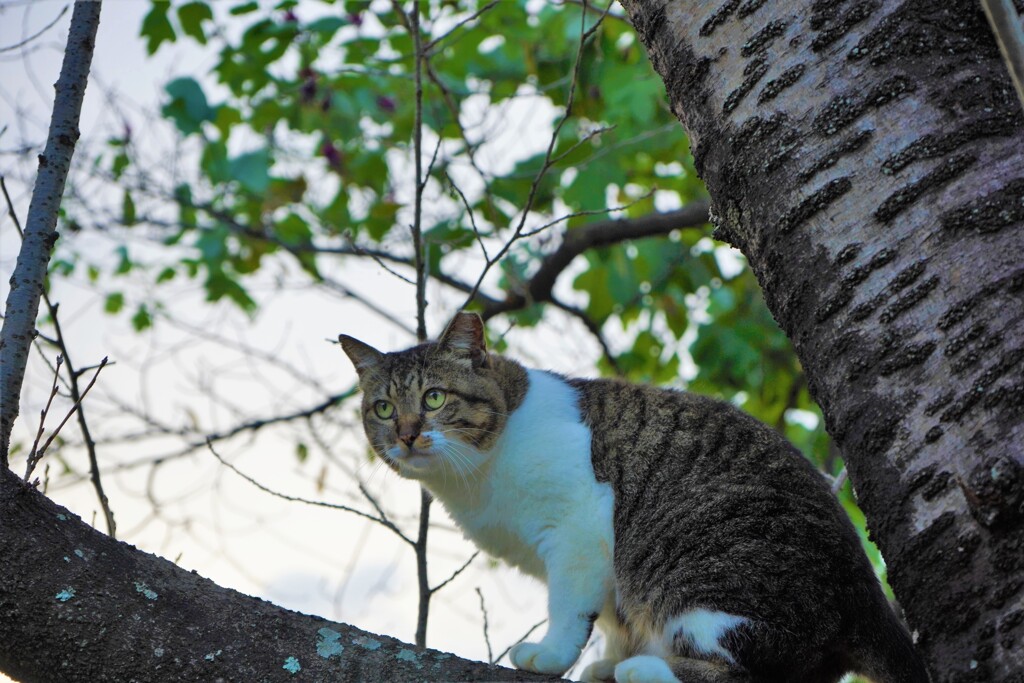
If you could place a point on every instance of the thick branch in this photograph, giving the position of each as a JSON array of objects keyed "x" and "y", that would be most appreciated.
[
  {"x": 600, "y": 234},
  {"x": 40, "y": 228},
  {"x": 121, "y": 614}
]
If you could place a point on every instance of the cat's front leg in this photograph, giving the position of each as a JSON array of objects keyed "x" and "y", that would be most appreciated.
[{"x": 580, "y": 579}]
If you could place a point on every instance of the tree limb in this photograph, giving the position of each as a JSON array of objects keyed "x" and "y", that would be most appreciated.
[
  {"x": 600, "y": 234},
  {"x": 40, "y": 229},
  {"x": 123, "y": 614}
]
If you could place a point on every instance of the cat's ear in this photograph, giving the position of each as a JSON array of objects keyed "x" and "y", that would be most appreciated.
[
  {"x": 464, "y": 339},
  {"x": 363, "y": 356}
]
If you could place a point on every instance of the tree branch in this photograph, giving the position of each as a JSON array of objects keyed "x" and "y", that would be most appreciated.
[
  {"x": 162, "y": 621},
  {"x": 600, "y": 234},
  {"x": 40, "y": 229}
]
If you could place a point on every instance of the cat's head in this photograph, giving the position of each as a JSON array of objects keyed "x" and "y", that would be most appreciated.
[{"x": 437, "y": 408}]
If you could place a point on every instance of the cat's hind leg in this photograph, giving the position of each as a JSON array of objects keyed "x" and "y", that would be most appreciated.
[{"x": 696, "y": 646}]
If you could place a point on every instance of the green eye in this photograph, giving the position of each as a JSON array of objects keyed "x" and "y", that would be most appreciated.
[
  {"x": 434, "y": 399},
  {"x": 383, "y": 409}
]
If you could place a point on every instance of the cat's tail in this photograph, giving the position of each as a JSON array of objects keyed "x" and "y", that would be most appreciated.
[{"x": 886, "y": 654}]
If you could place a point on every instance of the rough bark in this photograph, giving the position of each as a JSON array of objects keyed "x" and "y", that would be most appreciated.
[
  {"x": 866, "y": 156},
  {"x": 77, "y": 605},
  {"x": 41, "y": 224}
]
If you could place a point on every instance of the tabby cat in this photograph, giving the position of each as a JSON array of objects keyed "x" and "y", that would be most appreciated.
[{"x": 699, "y": 540}]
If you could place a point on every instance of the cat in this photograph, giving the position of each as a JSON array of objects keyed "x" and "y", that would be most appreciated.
[{"x": 702, "y": 544}]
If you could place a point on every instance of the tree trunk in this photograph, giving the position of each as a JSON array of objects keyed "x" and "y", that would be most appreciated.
[
  {"x": 77, "y": 605},
  {"x": 867, "y": 159}
]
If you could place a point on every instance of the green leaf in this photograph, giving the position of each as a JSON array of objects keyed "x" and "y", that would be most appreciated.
[
  {"x": 114, "y": 302},
  {"x": 252, "y": 170},
  {"x": 156, "y": 28},
  {"x": 166, "y": 275},
  {"x": 244, "y": 8},
  {"x": 212, "y": 245},
  {"x": 124, "y": 264},
  {"x": 128, "y": 209},
  {"x": 120, "y": 164},
  {"x": 327, "y": 26},
  {"x": 381, "y": 219},
  {"x": 301, "y": 452},
  {"x": 191, "y": 16},
  {"x": 142, "y": 320},
  {"x": 214, "y": 162},
  {"x": 188, "y": 107},
  {"x": 219, "y": 285}
]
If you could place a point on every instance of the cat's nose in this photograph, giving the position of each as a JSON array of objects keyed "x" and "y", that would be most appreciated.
[{"x": 408, "y": 429}]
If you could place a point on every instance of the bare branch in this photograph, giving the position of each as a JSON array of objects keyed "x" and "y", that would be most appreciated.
[
  {"x": 428, "y": 49},
  {"x": 40, "y": 230},
  {"x": 26, "y": 41},
  {"x": 549, "y": 161},
  {"x": 600, "y": 234},
  {"x": 35, "y": 457},
  {"x": 487, "y": 635},
  {"x": 595, "y": 329},
  {"x": 521, "y": 639},
  {"x": 455, "y": 573},
  {"x": 32, "y": 458},
  {"x": 387, "y": 524}
]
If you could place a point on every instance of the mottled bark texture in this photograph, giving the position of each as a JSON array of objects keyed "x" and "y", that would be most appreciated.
[
  {"x": 76, "y": 605},
  {"x": 41, "y": 224},
  {"x": 866, "y": 156}
]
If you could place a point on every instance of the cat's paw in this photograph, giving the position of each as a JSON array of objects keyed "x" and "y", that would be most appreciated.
[
  {"x": 601, "y": 671},
  {"x": 644, "y": 669},
  {"x": 542, "y": 658}
]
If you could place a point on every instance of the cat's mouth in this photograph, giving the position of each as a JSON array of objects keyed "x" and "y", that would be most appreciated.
[
  {"x": 418, "y": 460},
  {"x": 412, "y": 458}
]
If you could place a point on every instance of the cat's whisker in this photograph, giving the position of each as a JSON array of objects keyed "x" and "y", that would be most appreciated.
[
  {"x": 468, "y": 465},
  {"x": 459, "y": 461}
]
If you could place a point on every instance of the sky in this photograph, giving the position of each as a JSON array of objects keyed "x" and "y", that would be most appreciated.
[{"x": 197, "y": 512}]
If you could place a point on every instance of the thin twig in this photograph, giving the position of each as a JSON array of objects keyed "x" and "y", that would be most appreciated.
[
  {"x": 429, "y": 47},
  {"x": 32, "y": 459},
  {"x": 35, "y": 457},
  {"x": 472, "y": 216},
  {"x": 521, "y": 639},
  {"x": 83, "y": 425},
  {"x": 318, "y": 503},
  {"x": 549, "y": 161},
  {"x": 38, "y": 33},
  {"x": 455, "y": 573},
  {"x": 595, "y": 330},
  {"x": 487, "y": 635},
  {"x": 587, "y": 212},
  {"x": 10, "y": 206},
  {"x": 837, "y": 483}
]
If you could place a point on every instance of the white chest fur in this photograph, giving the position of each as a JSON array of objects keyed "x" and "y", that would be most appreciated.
[{"x": 536, "y": 487}]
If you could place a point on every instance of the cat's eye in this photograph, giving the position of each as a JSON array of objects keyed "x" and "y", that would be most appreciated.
[
  {"x": 434, "y": 399},
  {"x": 384, "y": 410}
]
